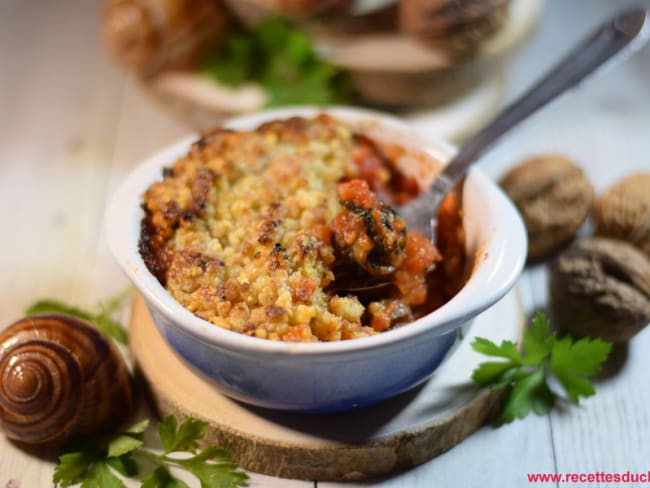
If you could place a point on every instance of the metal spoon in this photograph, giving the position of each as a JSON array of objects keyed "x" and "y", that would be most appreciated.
[{"x": 622, "y": 35}]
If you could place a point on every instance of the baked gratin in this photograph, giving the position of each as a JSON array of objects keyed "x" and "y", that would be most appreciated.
[{"x": 258, "y": 231}]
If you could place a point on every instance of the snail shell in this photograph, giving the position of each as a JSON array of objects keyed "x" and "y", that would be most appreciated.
[
  {"x": 457, "y": 27},
  {"x": 252, "y": 12},
  {"x": 61, "y": 378},
  {"x": 146, "y": 36}
]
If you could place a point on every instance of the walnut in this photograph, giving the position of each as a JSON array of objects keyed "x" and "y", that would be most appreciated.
[
  {"x": 623, "y": 211},
  {"x": 554, "y": 198},
  {"x": 601, "y": 288}
]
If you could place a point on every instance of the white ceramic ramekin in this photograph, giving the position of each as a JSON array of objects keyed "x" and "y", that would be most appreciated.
[{"x": 333, "y": 376}]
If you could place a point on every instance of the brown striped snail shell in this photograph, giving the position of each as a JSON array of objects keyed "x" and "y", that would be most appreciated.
[
  {"x": 147, "y": 36},
  {"x": 61, "y": 378}
]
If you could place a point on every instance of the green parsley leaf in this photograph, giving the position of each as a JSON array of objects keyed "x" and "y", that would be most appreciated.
[
  {"x": 73, "y": 467},
  {"x": 584, "y": 357},
  {"x": 235, "y": 63},
  {"x": 50, "y": 306},
  {"x": 507, "y": 349},
  {"x": 101, "y": 319},
  {"x": 138, "y": 428},
  {"x": 279, "y": 57},
  {"x": 222, "y": 474},
  {"x": 122, "y": 444},
  {"x": 185, "y": 438},
  {"x": 162, "y": 478},
  {"x": 573, "y": 363},
  {"x": 543, "y": 355},
  {"x": 123, "y": 464},
  {"x": 101, "y": 477},
  {"x": 529, "y": 392},
  {"x": 493, "y": 372},
  {"x": 111, "y": 327},
  {"x": 538, "y": 339}
]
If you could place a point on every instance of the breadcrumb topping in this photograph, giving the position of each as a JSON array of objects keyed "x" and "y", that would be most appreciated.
[{"x": 240, "y": 232}]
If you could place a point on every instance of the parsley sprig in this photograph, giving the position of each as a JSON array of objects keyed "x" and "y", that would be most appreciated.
[
  {"x": 101, "y": 316},
  {"x": 93, "y": 465},
  {"x": 544, "y": 356},
  {"x": 281, "y": 58}
]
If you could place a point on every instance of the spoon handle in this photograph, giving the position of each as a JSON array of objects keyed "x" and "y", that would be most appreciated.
[{"x": 623, "y": 34}]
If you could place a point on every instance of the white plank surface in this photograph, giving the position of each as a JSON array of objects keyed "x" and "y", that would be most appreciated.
[{"x": 71, "y": 126}]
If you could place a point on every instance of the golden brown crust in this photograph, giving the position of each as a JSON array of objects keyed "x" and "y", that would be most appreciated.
[{"x": 240, "y": 231}]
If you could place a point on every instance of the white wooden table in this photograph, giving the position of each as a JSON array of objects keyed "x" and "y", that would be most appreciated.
[{"x": 72, "y": 125}]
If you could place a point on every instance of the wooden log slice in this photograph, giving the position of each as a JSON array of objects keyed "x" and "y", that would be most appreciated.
[{"x": 395, "y": 435}]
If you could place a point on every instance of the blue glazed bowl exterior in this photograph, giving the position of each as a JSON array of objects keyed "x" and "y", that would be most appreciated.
[
  {"x": 321, "y": 384},
  {"x": 334, "y": 376}
]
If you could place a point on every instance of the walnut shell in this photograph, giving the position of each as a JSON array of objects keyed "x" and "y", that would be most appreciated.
[
  {"x": 623, "y": 211},
  {"x": 601, "y": 288},
  {"x": 60, "y": 378},
  {"x": 554, "y": 198}
]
